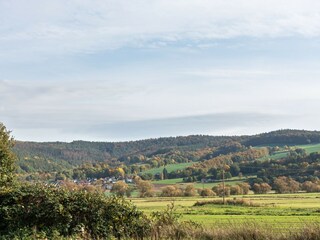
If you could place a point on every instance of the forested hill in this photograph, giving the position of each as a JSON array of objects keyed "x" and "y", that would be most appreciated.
[
  {"x": 57, "y": 156},
  {"x": 78, "y": 152},
  {"x": 283, "y": 137}
]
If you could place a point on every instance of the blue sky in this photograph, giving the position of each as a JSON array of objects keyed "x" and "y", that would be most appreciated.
[{"x": 119, "y": 70}]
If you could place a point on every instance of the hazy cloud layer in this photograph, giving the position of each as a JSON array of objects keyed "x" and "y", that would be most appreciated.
[{"x": 215, "y": 124}]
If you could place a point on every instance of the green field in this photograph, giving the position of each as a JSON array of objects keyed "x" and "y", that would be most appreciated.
[
  {"x": 275, "y": 156},
  {"x": 170, "y": 168},
  {"x": 170, "y": 181},
  {"x": 281, "y": 211},
  {"x": 310, "y": 148}
]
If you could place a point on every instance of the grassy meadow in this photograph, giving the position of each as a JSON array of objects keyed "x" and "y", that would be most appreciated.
[
  {"x": 169, "y": 167},
  {"x": 310, "y": 148},
  {"x": 283, "y": 211}
]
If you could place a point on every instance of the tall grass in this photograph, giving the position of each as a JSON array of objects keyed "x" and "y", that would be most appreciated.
[
  {"x": 243, "y": 231},
  {"x": 168, "y": 225}
]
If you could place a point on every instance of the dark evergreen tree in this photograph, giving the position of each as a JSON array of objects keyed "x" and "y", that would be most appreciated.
[{"x": 165, "y": 173}]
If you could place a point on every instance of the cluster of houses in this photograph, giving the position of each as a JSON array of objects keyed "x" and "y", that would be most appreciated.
[{"x": 106, "y": 183}]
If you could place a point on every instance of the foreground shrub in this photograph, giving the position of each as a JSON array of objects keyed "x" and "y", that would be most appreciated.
[
  {"x": 167, "y": 224},
  {"x": 59, "y": 211}
]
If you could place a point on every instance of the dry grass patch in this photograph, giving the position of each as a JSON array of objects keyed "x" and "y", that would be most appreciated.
[{"x": 233, "y": 202}]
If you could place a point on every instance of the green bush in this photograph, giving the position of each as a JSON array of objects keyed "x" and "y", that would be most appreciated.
[{"x": 59, "y": 211}]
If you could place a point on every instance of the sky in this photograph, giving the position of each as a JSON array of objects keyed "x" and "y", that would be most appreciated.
[{"x": 118, "y": 70}]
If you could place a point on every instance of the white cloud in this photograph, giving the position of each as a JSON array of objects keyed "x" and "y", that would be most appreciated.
[{"x": 86, "y": 26}]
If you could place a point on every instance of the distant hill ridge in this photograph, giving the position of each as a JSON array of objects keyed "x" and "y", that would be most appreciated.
[{"x": 55, "y": 156}]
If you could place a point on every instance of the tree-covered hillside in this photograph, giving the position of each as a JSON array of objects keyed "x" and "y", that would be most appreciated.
[
  {"x": 145, "y": 154},
  {"x": 284, "y": 137},
  {"x": 35, "y": 156}
]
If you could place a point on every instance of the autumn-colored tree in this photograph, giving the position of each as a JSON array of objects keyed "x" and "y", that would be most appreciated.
[
  {"x": 171, "y": 191},
  {"x": 220, "y": 191},
  {"x": 207, "y": 192},
  {"x": 286, "y": 185},
  {"x": 145, "y": 188},
  {"x": 245, "y": 187},
  {"x": 119, "y": 188},
  {"x": 120, "y": 172},
  {"x": 261, "y": 188},
  {"x": 91, "y": 188},
  {"x": 309, "y": 186},
  {"x": 190, "y": 191},
  {"x": 236, "y": 190},
  {"x": 136, "y": 179},
  {"x": 71, "y": 186}
]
